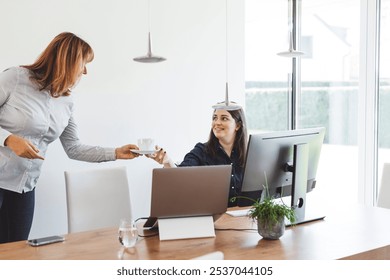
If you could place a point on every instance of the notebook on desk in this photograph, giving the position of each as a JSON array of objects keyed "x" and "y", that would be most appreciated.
[{"x": 189, "y": 192}]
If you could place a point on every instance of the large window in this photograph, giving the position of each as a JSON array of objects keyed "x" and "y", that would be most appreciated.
[
  {"x": 384, "y": 87},
  {"x": 329, "y": 89},
  {"x": 329, "y": 75},
  {"x": 266, "y": 73}
]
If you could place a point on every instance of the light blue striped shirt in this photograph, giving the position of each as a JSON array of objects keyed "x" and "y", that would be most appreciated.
[{"x": 38, "y": 117}]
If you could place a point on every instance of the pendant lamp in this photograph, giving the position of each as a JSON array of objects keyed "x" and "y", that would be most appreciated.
[
  {"x": 149, "y": 57},
  {"x": 291, "y": 52},
  {"x": 227, "y": 105}
]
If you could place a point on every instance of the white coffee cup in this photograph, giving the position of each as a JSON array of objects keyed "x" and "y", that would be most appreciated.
[{"x": 146, "y": 144}]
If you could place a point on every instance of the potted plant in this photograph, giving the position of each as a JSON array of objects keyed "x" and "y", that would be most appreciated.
[{"x": 270, "y": 214}]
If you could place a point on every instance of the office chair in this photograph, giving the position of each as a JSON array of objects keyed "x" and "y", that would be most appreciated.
[
  {"x": 384, "y": 191},
  {"x": 96, "y": 198}
]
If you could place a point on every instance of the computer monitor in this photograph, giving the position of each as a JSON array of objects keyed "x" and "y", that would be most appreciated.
[{"x": 289, "y": 159}]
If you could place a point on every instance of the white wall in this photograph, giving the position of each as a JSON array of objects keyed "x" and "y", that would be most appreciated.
[{"x": 121, "y": 100}]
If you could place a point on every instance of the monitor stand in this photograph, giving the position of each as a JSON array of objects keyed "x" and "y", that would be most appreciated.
[
  {"x": 306, "y": 220},
  {"x": 299, "y": 185},
  {"x": 186, "y": 227},
  {"x": 311, "y": 215}
]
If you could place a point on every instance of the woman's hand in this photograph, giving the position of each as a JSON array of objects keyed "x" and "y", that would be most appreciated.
[
  {"x": 125, "y": 153},
  {"x": 161, "y": 157},
  {"x": 22, "y": 147}
]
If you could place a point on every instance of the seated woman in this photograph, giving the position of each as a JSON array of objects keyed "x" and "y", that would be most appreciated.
[{"x": 226, "y": 145}]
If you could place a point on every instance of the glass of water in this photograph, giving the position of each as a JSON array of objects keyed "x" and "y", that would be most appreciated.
[{"x": 128, "y": 233}]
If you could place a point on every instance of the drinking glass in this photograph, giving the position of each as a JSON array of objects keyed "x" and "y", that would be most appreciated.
[{"x": 128, "y": 233}]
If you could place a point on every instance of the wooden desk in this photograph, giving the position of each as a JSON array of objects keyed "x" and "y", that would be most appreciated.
[{"x": 355, "y": 233}]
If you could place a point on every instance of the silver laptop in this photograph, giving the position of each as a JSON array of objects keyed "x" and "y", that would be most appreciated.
[{"x": 189, "y": 191}]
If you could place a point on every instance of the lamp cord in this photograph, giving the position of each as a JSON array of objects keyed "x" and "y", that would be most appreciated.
[
  {"x": 149, "y": 15},
  {"x": 226, "y": 38}
]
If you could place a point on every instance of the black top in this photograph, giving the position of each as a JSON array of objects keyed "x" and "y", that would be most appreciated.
[{"x": 199, "y": 157}]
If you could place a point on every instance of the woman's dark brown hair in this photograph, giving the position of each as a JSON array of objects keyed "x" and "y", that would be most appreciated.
[
  {"x": 57, "y": 69},
  {"x": 240, "y": 141}
]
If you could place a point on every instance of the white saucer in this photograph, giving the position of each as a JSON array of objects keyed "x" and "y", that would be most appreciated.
[{"x": 144, "y": 152}]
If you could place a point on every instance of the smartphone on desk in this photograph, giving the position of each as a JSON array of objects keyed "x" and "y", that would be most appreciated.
[{"x": 45, "y": 240}]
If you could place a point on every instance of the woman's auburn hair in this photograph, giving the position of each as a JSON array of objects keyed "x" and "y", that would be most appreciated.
[{"x": 57, "y": 69}]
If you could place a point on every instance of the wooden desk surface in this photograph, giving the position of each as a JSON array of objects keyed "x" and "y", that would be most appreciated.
[{"x": 355, "y": 233}]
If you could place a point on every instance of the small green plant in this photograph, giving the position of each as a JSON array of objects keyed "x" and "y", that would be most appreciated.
[{"x": 267, "y": 210}]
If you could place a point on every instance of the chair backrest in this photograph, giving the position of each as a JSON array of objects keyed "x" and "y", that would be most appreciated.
[
  {"x": 384, "y": 191},
  {"x": 97, "y": 198}
]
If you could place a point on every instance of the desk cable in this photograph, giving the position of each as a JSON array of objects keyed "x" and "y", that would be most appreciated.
[{"x": 150, "y": 229}]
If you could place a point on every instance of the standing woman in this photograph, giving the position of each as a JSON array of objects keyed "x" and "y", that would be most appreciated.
[
  {"x": 227, "y": 144},
  {"x": 36, "y": 108}
]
